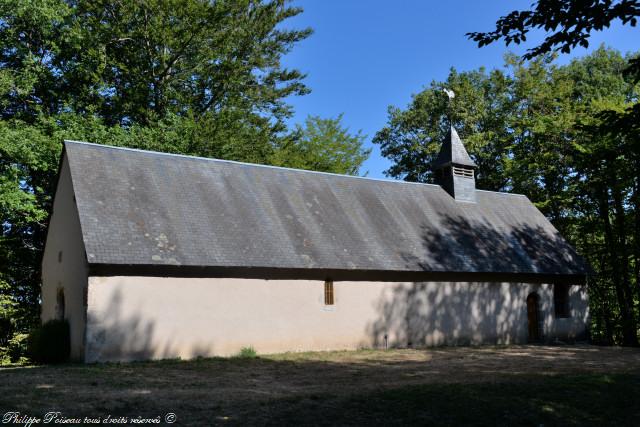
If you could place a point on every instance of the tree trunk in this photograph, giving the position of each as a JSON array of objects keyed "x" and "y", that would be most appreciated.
[
  {"x": 636, "y": 234},
  {"x": 620, "y": 223},
  {"x": 605, "y": 308},
  {"x": 627, "y": 329}
]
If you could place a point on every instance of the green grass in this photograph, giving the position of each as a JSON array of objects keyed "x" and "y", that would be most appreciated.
[
  {"x": 247, "y": 353},
  {"x": 585, "y": 400},
  {"x": 514, "y": 386}
]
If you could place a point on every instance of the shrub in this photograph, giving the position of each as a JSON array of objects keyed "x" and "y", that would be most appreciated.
[
  {"x": 17, "y": 348},
  {"x": 247, "y": 353},
  {"x": 6, "y": 328},
  {"x": 4, "y": 356},
  {"x": 50, "y": 343}
]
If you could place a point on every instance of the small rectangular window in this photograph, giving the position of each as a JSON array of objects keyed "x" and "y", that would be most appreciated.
[
  {"x": 561, "y": 301},
  {"x": 328, "y": 292}
]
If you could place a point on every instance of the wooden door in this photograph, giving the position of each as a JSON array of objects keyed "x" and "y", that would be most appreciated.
[{"x": 532, "y": 315}]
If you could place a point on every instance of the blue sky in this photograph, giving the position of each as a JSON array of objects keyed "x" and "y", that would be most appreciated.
[{"x": 365, "y": 55}]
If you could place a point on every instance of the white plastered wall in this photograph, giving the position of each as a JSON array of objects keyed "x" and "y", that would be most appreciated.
[
  {"x": 574, "y": 326},
  {"x": 133, "y": 318},
  {"x": 64, "y": 264}
]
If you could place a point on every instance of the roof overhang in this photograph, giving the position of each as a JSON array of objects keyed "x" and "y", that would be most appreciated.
[{"x": 269, "y": 273}]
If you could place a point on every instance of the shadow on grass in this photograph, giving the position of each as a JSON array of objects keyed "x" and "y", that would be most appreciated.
[
  {"x": 566, "y": 400},
  {"x": 523, "y": 385}
]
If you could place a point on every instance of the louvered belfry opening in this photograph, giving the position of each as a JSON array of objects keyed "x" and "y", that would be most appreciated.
[
  {"x": 454, "y": 169},
  {"x": 462, "y": 171}
]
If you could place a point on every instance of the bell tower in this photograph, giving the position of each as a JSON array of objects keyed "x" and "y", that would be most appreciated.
[{"x": 454, "y": 169}]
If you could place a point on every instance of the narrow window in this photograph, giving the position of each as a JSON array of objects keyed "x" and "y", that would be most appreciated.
[
  {"x": 561, "y": 300},
  {"x": 60, "y": 305},
  {"x": 60, "y": 256},
  {"x": 328, "y": 292}
]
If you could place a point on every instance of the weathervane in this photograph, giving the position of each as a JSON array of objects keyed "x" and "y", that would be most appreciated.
[{"x": 451, "y": 94}]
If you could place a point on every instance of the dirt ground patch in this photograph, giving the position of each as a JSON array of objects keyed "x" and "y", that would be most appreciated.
[
  {"x": 473, "y": 364},
  {"x": 294, "y": 387}
]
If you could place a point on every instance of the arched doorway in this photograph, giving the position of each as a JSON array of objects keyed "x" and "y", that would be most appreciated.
[{"x": 532, "y": 316}]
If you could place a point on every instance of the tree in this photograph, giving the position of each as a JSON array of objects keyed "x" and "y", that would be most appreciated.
[
  {"x": 194, "y": 77},
  {"x": 539, "y": 130},
  {"x": 412, "y": 137},
  {"x": 324, "y": 145},
  {"x": 569, "y": 23},
  {"x": 135, "y": 62}
]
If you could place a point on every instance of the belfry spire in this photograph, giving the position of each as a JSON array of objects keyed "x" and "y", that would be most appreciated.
[{"x": 454, "y": 169}]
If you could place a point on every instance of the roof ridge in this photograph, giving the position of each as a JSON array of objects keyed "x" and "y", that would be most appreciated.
[
  {"x": 210, "y": 159},
  {"x": 503, "y": 192},
  {"x": 161, "y": 153}
]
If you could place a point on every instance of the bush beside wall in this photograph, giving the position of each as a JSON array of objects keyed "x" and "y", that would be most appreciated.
[{"x": 50, "y": 343}]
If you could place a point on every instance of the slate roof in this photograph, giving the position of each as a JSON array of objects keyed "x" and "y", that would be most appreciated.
[
  {"x": 140, "y": 208},
  {"x": 452, "y": 152}
]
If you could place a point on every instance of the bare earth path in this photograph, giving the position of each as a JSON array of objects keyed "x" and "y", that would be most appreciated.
[{"x": 328, "y": 388}]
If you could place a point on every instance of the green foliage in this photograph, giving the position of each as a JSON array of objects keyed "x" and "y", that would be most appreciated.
[
  {"x": 136, "y": 62},
  {"x": 7, "y": 312},
  {"x": 28, "y": 160},
  {"x": 568, "y": 23},
  {"x": 192, "y": 77},
  {"x": 12, "y": 343},
  {"x": 323, "y": 145},
  {"x": 540, "y": 129},
  {"x": 16, "y": 350},
  {"x": 482, "y": 104},
  {"x": 50, "y": 343},
  {"x": 247, "y": 353}
]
